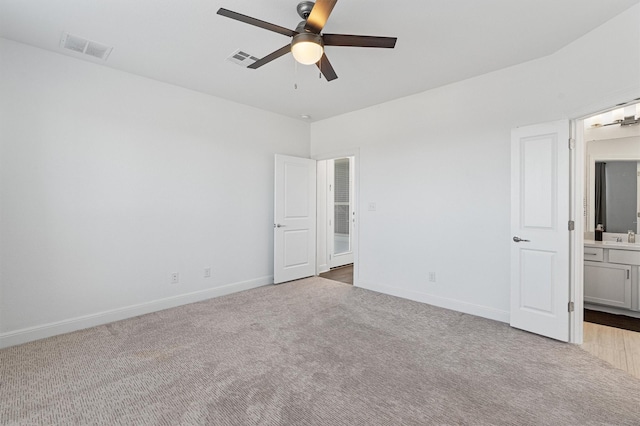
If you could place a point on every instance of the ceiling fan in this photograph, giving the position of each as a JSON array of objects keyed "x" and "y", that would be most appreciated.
[{"x": 307, "y": 44}]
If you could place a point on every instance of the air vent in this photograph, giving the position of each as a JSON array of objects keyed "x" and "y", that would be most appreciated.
[
  {"x": 241, "y": 58},
  {"x": 84, "y": 46}
]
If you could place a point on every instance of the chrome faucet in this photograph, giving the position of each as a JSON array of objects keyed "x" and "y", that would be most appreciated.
[{"x": 618, "y": 239}]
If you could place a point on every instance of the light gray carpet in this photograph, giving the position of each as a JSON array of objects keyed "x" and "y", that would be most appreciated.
[{"x": 310, "y": 352}]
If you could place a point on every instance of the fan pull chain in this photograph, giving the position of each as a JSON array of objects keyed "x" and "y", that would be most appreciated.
[{"x": 295, "y": 72}]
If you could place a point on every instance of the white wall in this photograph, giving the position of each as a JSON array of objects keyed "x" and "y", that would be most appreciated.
[
  {"x": 109, "y": 182},
  {"x": 437, "y": 164}
]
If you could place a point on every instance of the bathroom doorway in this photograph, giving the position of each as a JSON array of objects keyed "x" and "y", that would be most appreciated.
[{"x": 608, "y": 277}]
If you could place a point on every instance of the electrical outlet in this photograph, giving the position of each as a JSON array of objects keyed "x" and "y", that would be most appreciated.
[
  {"x": 432, "y": 277},
  {"x": 372, "y": 207},
  {"x": 207, "y": 272},
  {"x": 175, "y": 278}
]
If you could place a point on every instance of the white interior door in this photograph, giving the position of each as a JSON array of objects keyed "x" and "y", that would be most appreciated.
[
  {"x": 539, "y": 225},
  {"x": 295, "y": 218}
]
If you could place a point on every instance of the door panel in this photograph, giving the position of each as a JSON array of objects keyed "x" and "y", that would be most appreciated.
[
  {"x": 296, "y": 247},
  {"x": 539, "y": 164},
  {"x": 539, "y": 225},
  {"x": 296, "y": 181},
  {"x": 295, "y": 218},
  {"x": 537, "y": 278}
]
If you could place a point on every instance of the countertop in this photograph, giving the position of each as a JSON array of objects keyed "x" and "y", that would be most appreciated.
[{"x": 613, "y": 245}]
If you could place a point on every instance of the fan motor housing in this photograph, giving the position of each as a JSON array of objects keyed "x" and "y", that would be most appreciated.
[{"x": 304, "y": 9}]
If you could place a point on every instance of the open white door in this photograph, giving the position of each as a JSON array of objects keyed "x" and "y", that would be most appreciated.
[
  {"x": 540, "y": 229},
  {"x": 295, "y": 219}
]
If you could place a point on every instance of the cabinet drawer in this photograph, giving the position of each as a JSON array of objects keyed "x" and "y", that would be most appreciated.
[
  {"x": 594, "y": 254},
  {"x": 627, "y": 257}
]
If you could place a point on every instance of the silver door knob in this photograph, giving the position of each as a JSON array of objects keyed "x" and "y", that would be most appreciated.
[{"x": 520, "y": 240}]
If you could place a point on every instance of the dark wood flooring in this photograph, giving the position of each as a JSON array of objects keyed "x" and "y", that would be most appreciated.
[
  {"x": 612, "y": 320},
  {"x": 344, "y": 274}
]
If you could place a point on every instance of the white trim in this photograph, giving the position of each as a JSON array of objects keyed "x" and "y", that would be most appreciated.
[
  {"x": 29, "y": 334},
  {"x": 613, "y": 101},
  {"x": 576, "y": 282},
  {"x": 353, "y": 152},
  {"x": 323, "y": 268},
  {"x": 441, "y": 302}
]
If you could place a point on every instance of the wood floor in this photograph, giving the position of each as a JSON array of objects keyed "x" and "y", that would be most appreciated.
[
  {"x": 620, "y": 348},
  {"x": 619, "y": 321},
  {"x": 344, "y": 274}
]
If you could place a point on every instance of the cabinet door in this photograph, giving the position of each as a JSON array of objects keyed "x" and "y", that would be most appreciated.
[{"x": 607, "y": 284}]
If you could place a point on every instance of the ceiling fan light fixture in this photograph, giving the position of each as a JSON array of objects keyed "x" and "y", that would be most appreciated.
[{"x": 307, "y": 48}]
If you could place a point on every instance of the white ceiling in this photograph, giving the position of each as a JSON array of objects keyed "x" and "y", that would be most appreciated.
[{"x": 184, "y": 42}]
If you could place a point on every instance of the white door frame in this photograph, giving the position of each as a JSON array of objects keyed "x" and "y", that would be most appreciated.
[
  {"x": 578, "y": 188},
  {"x": 355, "y": 153}
]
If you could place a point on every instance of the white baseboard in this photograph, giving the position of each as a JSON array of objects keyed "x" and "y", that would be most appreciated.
[
  {"x": 30, "y": 334},
  {"x": 323, "y": 268},
  {"x": 441, "y": 302}
]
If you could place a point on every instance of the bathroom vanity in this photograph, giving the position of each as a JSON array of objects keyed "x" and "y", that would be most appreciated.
[{"x": 611, "y": 276}]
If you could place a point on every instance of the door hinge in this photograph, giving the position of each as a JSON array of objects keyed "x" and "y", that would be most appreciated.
[
  {"x": 572, "y": 143},
  {"x": 571, "y": 307},
  {"x": 572, "y": 225}
]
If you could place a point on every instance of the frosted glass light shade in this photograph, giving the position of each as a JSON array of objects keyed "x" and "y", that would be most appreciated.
[{"x": 307, "y": 48}]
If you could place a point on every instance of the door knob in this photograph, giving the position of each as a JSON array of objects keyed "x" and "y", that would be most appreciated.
[
  {"x": 277, "y": 225},
  {"x": 520, "y": 240}
]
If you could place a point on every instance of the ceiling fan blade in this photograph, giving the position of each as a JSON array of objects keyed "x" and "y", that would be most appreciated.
[
  {"x": 326, "y": 69},
  {"x": 358, "y": 41},
  {"x": 258, "y": 23},
  {"x": 319, "y": 15},
  {"x": 270, "y": 57}
]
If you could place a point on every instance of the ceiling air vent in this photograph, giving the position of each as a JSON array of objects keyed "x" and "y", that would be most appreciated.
[
  {"x": 84, "y": 46},
  {"x": 242, "y": 58}
]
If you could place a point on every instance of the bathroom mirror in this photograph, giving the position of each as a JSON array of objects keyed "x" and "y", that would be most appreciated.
[{"x": 614, "y": 195}]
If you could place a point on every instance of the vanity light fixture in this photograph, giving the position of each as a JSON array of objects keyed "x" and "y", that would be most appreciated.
[{"x": 622, "y": 117}]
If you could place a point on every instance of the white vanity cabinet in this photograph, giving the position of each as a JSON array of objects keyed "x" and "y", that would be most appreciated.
[
  {"x": 607, "y": 284},
  {"x": 611, "y": 275}
]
